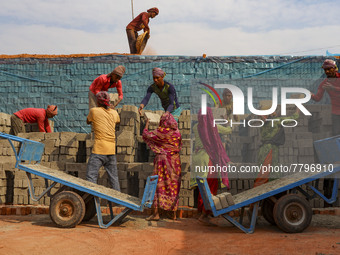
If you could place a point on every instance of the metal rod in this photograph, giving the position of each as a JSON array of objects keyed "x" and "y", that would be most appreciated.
[{"x": 133, "y": 16}]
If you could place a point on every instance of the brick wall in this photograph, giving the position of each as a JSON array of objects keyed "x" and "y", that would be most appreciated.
[
  {"x": 36, "y": 82},
  {"x": 64, "y": 81}
]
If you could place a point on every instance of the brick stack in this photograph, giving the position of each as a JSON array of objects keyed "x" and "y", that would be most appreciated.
[
  {"x": 133, "y": 176},
  {"x": 5, "y": 122},
  {"x": 6, "y": 151},
  {"x": 3, "y": 185},
  {"x": 6, "y": 182},
  {"x": 320, "y": 123},
  {"x": 33, "y": 127},
  {"x": 186, "y": 195},
  {"x": 184, "y": 124},
  {"x": 316, "y": 202},
  {"x": 129, "y": 131},
  {"x": 69, "y": 152}
]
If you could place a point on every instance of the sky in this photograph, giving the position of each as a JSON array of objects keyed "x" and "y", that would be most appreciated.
[{"x": 183, "y": 27}]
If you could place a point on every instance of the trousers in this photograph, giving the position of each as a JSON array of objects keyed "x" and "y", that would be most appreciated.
[
  {"x": 110, "y": 164},
  {"x": 132, "y": 38}
]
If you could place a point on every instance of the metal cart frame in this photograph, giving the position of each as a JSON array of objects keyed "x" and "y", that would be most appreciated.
[{"x": 76, "y": 194}]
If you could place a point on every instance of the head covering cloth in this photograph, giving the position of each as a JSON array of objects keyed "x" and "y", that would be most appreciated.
[
  {"x": 158, "y": 72},
  {"x": 329, "y": 63},
  {"x": 212, "y": 142},
  {"x": 226, "y": 91},
  {"x": 119, "y": 70},
  {"x": 166, "y": 138},
  {"x": 52, "y": 110},
  {"x": 166, "y": 143},
  {"x": 154, "y": 9},
  {"x": 103, "y": 98}
]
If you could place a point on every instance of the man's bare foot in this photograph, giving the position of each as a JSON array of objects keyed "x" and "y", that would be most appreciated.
[{"x": 153, "y": 218}]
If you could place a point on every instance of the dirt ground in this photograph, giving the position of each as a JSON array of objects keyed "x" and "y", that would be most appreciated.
[{"x": 36, "y": 234}]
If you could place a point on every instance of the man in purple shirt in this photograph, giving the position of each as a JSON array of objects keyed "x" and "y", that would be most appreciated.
[{"x": 166, "y": 93}]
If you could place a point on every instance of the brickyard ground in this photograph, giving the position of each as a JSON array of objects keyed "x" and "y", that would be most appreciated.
[{"x": 36, "y": 234}]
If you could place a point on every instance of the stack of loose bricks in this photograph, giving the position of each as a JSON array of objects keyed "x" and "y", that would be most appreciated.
[
  {"x": 223, "y": 200},
  {"x": 69, "y": 152},
  {"x": 5, "y": 122}
]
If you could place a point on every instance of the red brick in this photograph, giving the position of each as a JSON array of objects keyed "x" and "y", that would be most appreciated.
[
  {"x": 180, "y": 214},
  {"x": 190, "y": 214},
  {"x": 8, "y": 211}
]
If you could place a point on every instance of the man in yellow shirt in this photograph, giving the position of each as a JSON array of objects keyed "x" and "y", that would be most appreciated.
[{"x": 103, "y": 120}]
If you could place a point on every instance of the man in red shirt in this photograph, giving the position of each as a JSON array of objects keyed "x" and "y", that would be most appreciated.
[
  {"x": 332, "y": 85},
  {"x": 105, "y": 82},
  {"x": 137, "y": 24},
  {"x": 33, "y": 115}
]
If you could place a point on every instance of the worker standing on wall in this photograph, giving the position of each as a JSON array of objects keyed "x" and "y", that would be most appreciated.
[{"x": 137, "y": 24}]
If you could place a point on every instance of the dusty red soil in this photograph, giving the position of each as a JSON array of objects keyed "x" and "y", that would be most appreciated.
[{"x": 36, "y": 234}]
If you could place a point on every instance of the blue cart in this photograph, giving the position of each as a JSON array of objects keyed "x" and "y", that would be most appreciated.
[
  {"x": 283, "y": 201},
  {"x": 77, "y": 200}
]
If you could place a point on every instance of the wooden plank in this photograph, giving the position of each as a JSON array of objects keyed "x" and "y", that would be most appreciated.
[
  {"x": 270, "y": 186},
  {"x": 84, "y": 183}
]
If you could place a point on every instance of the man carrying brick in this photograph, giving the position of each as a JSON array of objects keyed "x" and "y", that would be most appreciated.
[
  {"x": 332, "y": 85},
  {"x": 105, "y": 82},
  {"x": 33, "y": 115},
  {"x": 166, "y": 93},
  {"x": 103, "y": 120}
]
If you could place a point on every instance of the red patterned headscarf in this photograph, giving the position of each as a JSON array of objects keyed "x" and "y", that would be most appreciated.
[
  {"x": 168, "y": 121},
  {"x": 103, "y": 98}
]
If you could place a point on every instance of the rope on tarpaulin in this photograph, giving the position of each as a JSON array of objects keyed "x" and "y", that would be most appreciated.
[
  {"x": 278, "y": 67},
  {"x": 24, "y": 77}
]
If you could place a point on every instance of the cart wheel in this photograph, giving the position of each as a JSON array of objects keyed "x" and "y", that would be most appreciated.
[
  {"x": 67, "y": 209},
  {"x": 292, "y": 213},
  {"x": 90, "y": 211},
  {"x": 267, "y": 209},
  {"x": 90, "y": 206}
]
